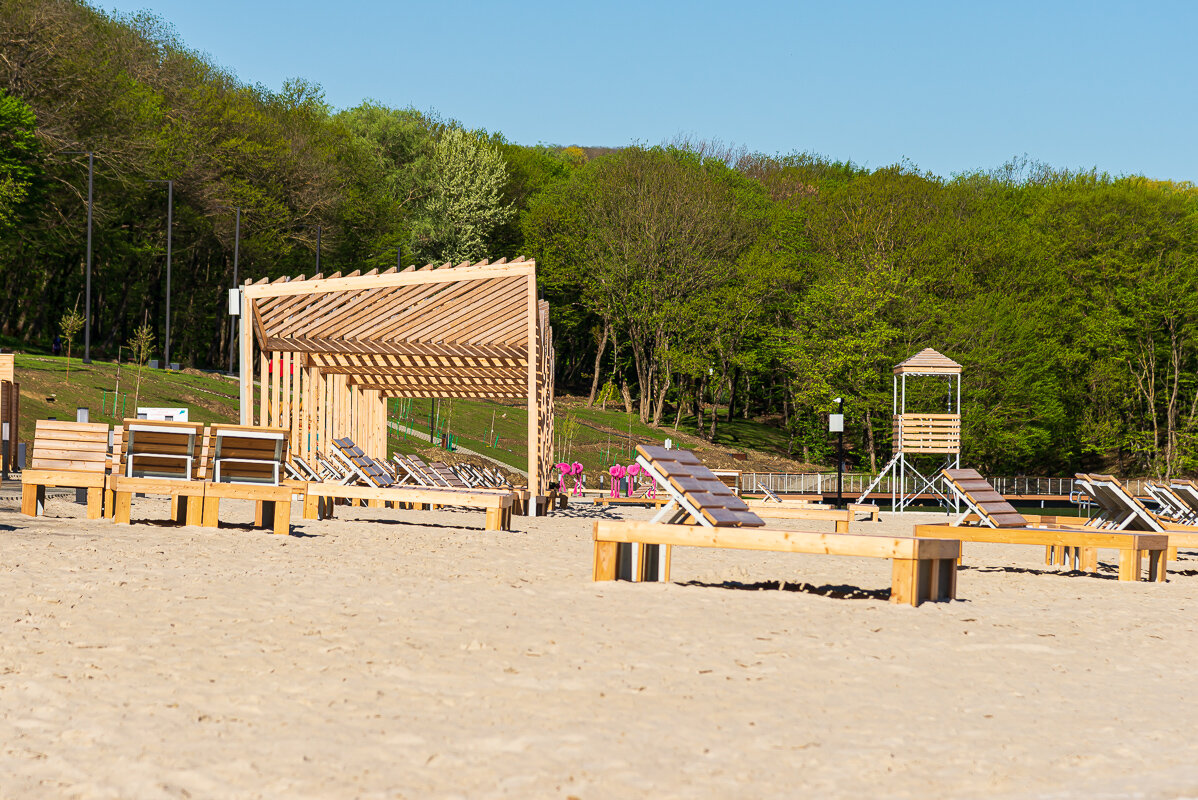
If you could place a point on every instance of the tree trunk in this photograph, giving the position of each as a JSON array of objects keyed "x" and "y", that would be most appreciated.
[
  {"x": 681, "y": 403},
  {"x": 715, "y": 415},
  {"x": 699, "y": 407},
  {"x": 627, "y": 395},
  {"x": 598, "y": 361},
  {"x": 732, "y": 394},
  {"x": 660, "y": 401},
  {"x": 869, "y": 443}
]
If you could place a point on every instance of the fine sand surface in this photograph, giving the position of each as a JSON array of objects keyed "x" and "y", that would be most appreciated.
[{"x": 412, "y": 654}]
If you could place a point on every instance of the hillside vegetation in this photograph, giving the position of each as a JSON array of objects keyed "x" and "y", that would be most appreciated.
[{"x": 688, "y": 282}]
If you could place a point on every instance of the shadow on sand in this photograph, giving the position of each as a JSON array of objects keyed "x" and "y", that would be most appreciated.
[{"x": 840, "y": 592}]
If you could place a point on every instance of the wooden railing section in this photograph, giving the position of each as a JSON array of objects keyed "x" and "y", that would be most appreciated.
[{"x": 928, "y": 433}]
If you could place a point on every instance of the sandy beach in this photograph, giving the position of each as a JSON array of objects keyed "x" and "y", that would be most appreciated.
[{"x": 388, "y": 654}]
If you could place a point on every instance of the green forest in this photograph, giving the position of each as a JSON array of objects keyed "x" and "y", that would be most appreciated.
[{"x": 690, "y": 278}]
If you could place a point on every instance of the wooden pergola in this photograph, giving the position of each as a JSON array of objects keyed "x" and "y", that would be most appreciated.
[{"x": 334, "y": 348}]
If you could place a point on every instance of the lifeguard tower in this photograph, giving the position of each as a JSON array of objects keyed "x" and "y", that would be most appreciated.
[{"x": 923, "y": 441}]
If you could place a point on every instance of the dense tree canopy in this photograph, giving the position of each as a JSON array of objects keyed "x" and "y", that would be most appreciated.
[{"x": 688, "y": 279}]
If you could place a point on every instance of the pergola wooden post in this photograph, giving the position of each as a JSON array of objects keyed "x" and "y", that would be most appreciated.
[{"x": 334, "y": 349}]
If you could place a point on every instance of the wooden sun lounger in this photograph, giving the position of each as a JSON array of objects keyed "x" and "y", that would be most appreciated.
[
  {"x": 66, "y": 454},
  {"x": 922, "y": 569},
  {"x": 1172, "y": 507},
  {"x": 375, "y": 486},
  {"x": 1187, "y": 492},
  {"x": 1000, "y": 523},
  {"x": 1121, "y": 510},
  {"x": 160, "y": 458},
  {"x": 245, "y": 463}
]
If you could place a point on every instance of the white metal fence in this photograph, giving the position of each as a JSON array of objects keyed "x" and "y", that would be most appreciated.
[{"x": 856, "y": 482}]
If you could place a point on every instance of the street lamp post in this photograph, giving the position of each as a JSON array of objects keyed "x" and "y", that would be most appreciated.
[
  {"x": 87, "y": 290},
  {"x": 236, "y": 253},
  {"x": 170, "y": 210},
  {"x": 836, "y": 423}
]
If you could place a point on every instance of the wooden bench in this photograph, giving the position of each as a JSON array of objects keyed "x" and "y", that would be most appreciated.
[
  {"x": 922, "y": 569},
  {"x": 66, "y": 454},
  {"x": 160, "y": 458},
  {"x": 319, "y": 497},
  {"x": 1000, "y": 523},
  {"x": 376, "y": 486},
  {"x": 245, "y": 462}
]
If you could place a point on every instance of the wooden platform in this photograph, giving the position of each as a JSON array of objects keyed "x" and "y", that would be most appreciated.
[
  {"x": 319, "y": 497},
  {"x": 1132, "y": 547},
  {"x": 923, "y": 569}
]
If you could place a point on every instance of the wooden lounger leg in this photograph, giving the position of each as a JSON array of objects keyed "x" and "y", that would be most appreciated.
[
  {"x": 493, "y": 523},
  {"x": 1089, "y": 559},
  {"x": 282, "y": 518},
  {"x": 903, "y": 581},
  {"x": 33, "y": 500},
  {"x": 109, "y": 502},
  {"x": 842, "y": 526},
  {"x": 175, "y": 506},
  {"x": 95, "y": 503},
  {"x": 606, "y": 556},
  {"x": 267, "y": 512},
  {"x": 1158, "y": 563},
  {"x": 327, "y": 512},
  {"x": 1172, "y": 554},
  {"x": 122, "y": 507},
  {"x": 1129, "y": 565},
  {"x": 193, "y": 509},
  {"x": 211, "y": 512},
  {"x": 312, "y": 506}
]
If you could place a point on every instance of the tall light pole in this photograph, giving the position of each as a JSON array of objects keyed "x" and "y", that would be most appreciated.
[
  {"x": 87, "y": 290},
  {"x": 236, "y": 253},
  {"x": 836, "y": 423},
  {"x": 170, "y": 210}
]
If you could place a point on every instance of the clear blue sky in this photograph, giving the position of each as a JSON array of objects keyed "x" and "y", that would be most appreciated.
[{"x": 951, "y": 86}]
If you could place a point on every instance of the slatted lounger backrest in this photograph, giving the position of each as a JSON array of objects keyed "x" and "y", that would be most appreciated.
[
  {"x": 70, "y": 446},
  {"x": 425, "y": 469},
  {"x": 686, "y": 476},
  {"x": 164, "y": 449},
  {"x": 246, "y": 454},
  {"x": 448, "y": 475},
  {"x": 978, "y": 492},
  {"x": 1123, "y": 507},
  {"x": 1186, "y": 491},
  {"x": 364, "y": 464}
]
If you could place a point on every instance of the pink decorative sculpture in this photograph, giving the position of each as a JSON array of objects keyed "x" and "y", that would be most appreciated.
[
  {"x": 633, "y": 471},
  {"x": 563, "y": 469},
  {"x": 578, "y": 479},
  {"x": 616, "y": 472}
]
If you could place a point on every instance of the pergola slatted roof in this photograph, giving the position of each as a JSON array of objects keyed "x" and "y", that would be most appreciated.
[{"x": 473, "y": 330}]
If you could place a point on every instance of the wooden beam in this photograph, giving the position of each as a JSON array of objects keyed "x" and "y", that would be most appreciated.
[
  {"x": 394, "y": 279},
  {"x": 534, "y": 444}
]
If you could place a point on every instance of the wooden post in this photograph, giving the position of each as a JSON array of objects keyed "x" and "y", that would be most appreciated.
[
  {"x": 245, "y": 364},
  {"x": 534, "y": 444}
]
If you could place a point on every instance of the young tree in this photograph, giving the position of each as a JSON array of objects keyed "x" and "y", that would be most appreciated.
[
  {"x": 139, "y": 345},
  {"x": 70, "y": 324}
]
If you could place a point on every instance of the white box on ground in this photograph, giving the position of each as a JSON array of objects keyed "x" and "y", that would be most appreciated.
[{"x": 162, "y": 414}]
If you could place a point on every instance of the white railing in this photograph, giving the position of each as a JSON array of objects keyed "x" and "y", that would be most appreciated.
[{"x": 856, "y": 482}]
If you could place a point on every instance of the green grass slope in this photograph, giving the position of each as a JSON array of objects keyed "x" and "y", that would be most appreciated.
[{"x": 595, "y": 437}]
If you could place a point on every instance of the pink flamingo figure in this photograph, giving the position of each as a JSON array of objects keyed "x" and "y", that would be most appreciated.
[
  {"x": 578, "y": 479},
  {"x": 616, "y": 473},
  {"x": 633, "y": 471},
  {"x": 563, "y": 469}
]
